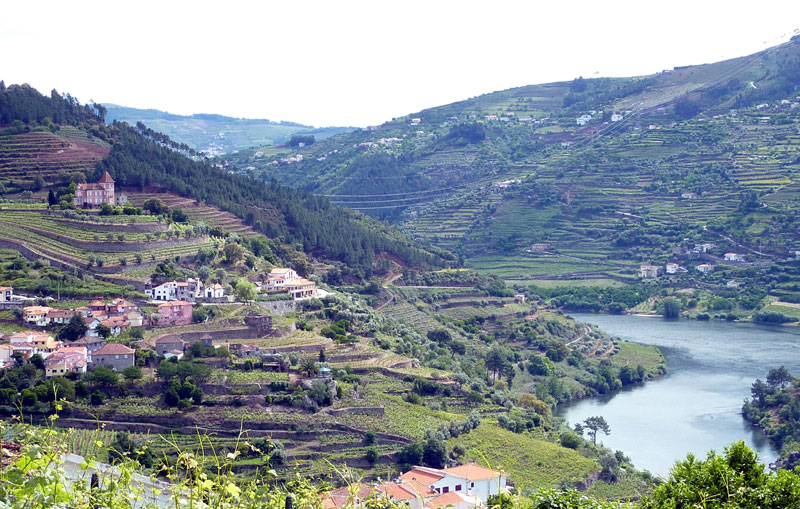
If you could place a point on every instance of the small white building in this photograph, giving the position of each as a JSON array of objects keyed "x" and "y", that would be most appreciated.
[
  {"x": 734, "y": 257},
  {"x": 583, "y": 119},
  {"x": 616, "y": 117},
  {"x": 471, "y": 480},
  {"x": 703, "y": 248},
  {"x": 279, "y": 277},
  {"x": 705, "y": 268},
  {"x": 6, "y": 293},
  {"x": 672, "y": 268},
  {"x": 214, "y": 291}
]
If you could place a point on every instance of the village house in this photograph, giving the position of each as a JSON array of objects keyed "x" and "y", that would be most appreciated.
[
  {"x": 301, "y": 288},
  {"x": 66, "y": 360},
  {"x": 733, "y": 284},
  {"x": 460, "y": 487},
  {"x": 95, "y": 195},
  {"x": 117, "y": 324},
  {"x": 59, "y": 316},
  {"x": 114, "y": 356},
  {"x": 539, "y": 247},
  {"x": 471, "y": 480},
  {"x": 215, "y": 291},
  {"x": 705, "y": 268},
  {"x": 34, "y": 342},
  {"x": 616, "y": 117},
  {"x": 6, "y": 293},
  {"x": 649, "y": 271},
  {"x": 189, "y": 290},
  {"x": 672, "y": 268},
  {"x": 734, "y": 257},
  {"x": 177, "y": 312},
  {"x": 583, "y": 119},
  {"x": 169, "y": 343},
  {"x": 279, "y": 277},
  {"x": 703, "y": 248},
  {"x": 35, "y": 315}
]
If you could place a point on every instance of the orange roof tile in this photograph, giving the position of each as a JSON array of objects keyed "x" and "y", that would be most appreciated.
[
  {"x": 418, "y": 489},
  {"x": 473, "y": 472},
  {"x": 105, "y": 179},
  {"x": 450, "y": 499},
  {"x": 425, "y": 478},
  {"x": 395, "y": 491},
  {"x": 175, "y": 303}
]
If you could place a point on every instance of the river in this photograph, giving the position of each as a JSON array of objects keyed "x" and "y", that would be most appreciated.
[{"x": 696, "y": 407}]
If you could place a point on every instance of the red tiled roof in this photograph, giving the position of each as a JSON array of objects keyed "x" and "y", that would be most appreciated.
[
  {"x": 473, "y": 472},
  {"x": 169, "y": 339},
  {"x": 450, "y": 499},
  {"x": 395, "y": 491},
  {"x": 114, "y": 349},
  {"x": 175, "y": 303},
  {"x": 425, "y": 478},
  {"x": 105, "y": 179}
]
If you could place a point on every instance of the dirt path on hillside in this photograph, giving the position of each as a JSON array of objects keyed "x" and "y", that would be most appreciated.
[{"x": 386, "y": 282}]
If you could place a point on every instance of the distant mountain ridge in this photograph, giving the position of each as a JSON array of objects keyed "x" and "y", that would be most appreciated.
[{"x": 216, "y": 134}]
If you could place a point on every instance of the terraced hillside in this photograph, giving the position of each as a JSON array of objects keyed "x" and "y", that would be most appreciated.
[
  {"x": 104, "y": 246},
  {"x": 26, "y": 156},
  {"x": 606, "y": 173},
  {"x": 196, "y": 211}
]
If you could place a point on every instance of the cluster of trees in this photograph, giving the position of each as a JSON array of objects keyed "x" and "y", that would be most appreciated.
[
  {"x": 775, "y": 408},
  {"x": 25, "y": 103},
  {"x": 472, "y": 132},
  {"x": 432, "y": 450},
  {"x": 593, "y": 298},
  {"x": 297, "y": 139}
]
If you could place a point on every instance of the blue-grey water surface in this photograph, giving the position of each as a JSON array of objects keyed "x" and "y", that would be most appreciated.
[{"x": 696, "y": 407}]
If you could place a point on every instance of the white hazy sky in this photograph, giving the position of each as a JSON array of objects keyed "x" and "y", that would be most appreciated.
[{"x": 360, "y": 62}]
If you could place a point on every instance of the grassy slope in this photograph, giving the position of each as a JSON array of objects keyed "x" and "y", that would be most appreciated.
[{"x": 530, "y": 462}]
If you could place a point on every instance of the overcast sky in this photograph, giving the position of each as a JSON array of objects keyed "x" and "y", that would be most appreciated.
[{"x": 360, "y": 63}]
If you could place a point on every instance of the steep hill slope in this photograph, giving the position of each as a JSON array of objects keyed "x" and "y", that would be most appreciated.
[
  {"x": 217, "y": 134},
  {"x": 607, "y": 173},
  {"x": 141, "y": 159}
]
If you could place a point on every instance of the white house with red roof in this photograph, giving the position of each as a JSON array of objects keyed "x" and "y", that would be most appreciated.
[
  {"x": 460, "y": 487},
  {"x": 470, "y": 480}
]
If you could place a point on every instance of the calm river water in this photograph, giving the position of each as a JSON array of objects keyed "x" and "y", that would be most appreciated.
[{"x": 696, "y": 407}]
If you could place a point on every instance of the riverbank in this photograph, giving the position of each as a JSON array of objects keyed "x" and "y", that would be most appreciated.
[{"x": 697, "y": 405}]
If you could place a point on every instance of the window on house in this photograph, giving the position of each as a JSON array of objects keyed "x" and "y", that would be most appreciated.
[
  {"x": 446, "y": 489},
  {"x": 458, "y": 487},
  {"x": 472, "y": 485}
]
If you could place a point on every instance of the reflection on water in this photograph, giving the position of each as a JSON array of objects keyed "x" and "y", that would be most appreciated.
[{"x": 696, "y": 407}]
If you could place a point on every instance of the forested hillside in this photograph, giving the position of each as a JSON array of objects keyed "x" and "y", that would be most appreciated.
[{"x": 140, "y": 158}]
